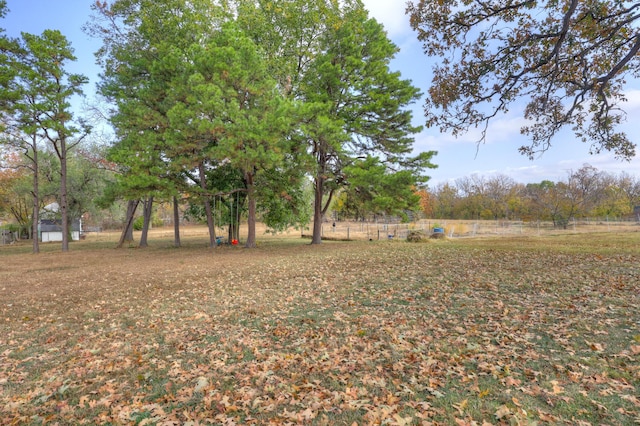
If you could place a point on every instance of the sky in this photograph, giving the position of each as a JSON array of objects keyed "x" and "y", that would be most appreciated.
[{"x": 456, "y": 158}]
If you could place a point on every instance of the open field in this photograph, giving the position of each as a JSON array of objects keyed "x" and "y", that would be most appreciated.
[{"x": 513, "y": 330}]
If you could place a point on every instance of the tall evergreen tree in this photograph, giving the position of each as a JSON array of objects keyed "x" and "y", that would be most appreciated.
[
  {"x": 36, "y": 97},
  {"x": 50, "y": 53},
  {"x": 20, "y": 111},
  {"x": 143, "y": 54},
  {"x": 235, "y": 105},
  {"x": 335, "y": 60}
]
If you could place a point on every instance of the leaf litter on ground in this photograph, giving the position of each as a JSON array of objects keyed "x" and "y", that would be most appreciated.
[{"x": 522, "y": 331}]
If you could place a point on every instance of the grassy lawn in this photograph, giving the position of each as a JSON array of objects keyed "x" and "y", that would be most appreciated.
[{"x": 527, "y": 330}]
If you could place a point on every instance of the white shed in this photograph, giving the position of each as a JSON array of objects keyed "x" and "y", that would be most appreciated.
[{"x": 50, "y": 225}]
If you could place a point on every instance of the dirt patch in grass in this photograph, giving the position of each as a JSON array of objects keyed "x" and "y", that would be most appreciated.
[{"x": 511, "y": 332}]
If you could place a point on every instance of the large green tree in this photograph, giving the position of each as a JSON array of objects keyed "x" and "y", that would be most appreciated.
[
  {"x": 192, "y": 94},
  {"x": 19, "y": 110},
  {"x": 335, "y": 59},
  {"x": 20, "y": 113},
  {"x": 234, "y": 108},
  {"x": 144, "y": 52},
  {"x": 359, "y": 105},
  {"x": 8, "y": 47},
  {"x": 37, "y": 109},
  {"x": 374, "y": 189},
  {"x": 51, "y": 52},
  {"x": 569, "y": 60}
]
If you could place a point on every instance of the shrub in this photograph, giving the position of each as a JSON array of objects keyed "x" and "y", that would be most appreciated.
[
  {"x": 416, "y": 236},
  {"x": 156, "y": 222},
  {"x": 137, "y": 223}
]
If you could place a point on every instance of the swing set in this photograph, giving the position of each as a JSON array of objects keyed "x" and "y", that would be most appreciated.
[{"x": 233, "y": 234}]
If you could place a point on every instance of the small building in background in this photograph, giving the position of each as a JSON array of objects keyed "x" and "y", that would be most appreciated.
[{"x": 50, "y": 225}]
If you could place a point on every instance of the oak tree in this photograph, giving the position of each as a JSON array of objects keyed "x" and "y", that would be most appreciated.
[{"x": 569, "y": 60}]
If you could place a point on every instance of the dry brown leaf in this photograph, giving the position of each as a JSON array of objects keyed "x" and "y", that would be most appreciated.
[{"x": 502, "y": 412}]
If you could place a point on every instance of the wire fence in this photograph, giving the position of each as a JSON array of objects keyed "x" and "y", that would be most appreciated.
[
  {"x": 7, "y": 237},
  {"x": 378, "y": 231},
  {"x": 470, "y": 229}
]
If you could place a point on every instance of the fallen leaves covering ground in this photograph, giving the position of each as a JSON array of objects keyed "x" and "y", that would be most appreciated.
[{"x": 510, "y": 331}]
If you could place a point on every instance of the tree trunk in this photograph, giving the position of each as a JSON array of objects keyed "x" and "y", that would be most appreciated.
[
  {"x": 231, "y": 233},
  {"x": 251, "y": 215},
  {"x": 207, "y": 206},
  {"x": 317, "y": 210},
  {"x": 234, "y": 218},
  {"x": 64, "y": 208},
  {"x": 176, "y": 222},
  {"x": 146, "y": 224},
  {"x": 127, "y": 232},
  {"x": 35, "y": 217}
]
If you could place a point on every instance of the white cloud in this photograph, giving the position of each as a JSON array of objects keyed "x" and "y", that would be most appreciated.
[
  {"x": 604, "y": 162},
  {"x": 505, "y": 129},
  {"x": 391, "y": 13},
  {"x": 528, "y": 174},
  {"x": 501, "y": 131},
  {"x": 631, "y": 107}
]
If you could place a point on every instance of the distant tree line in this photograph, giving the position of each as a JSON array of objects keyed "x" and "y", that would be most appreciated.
[{"x": 586, "y": 192}]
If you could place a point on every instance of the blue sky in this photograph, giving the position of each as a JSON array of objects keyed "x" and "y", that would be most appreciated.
[{"x": 456, "y": 157}]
